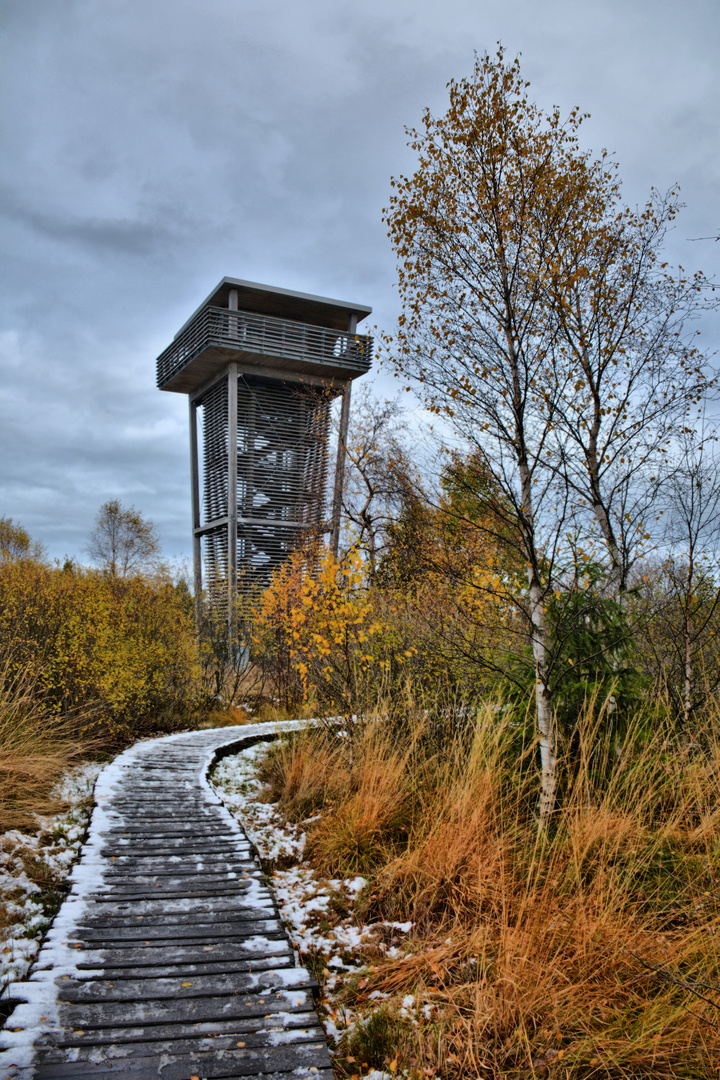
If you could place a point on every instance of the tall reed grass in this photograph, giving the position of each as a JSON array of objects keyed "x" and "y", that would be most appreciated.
[
  {"x": 36, "y": 747},
  {"x": 589, "y": 950}
]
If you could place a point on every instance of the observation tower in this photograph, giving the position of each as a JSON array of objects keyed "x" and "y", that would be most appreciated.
[{"x": 261, "y": 365}]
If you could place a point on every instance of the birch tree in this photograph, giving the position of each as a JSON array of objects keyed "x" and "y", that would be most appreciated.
[
  {"x": 379, "y": 474},
  {"x": 122, "y": 541},
  {"x": 539, "y": 319},
  {"x": 474, "y": 229},
  {"x": 691, "y": 569}
]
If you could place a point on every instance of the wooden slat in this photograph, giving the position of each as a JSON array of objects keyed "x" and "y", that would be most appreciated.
[{"x": 239, "y": 1027}]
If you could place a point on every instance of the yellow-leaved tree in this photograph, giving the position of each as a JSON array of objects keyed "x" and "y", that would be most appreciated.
[{"x": 315, "y": 628}]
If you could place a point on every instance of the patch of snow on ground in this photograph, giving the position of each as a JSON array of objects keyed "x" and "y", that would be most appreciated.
[
  {"x": 235, "y": 779},
  {"x": 55, "y": 845},
  {"x": 312, "y": 908}
]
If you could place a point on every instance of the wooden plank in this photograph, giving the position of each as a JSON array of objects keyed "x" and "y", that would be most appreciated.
[
  {"x": 141, "y": 822},
  {"x": 195, "y": 845},
  {"x": 177, "y": 988},
  {"x": 103, "y": 1015},
  {"x": 176, "y": 852},
  {"x": 147, "y": 862},
  {"x": 155, "y": 911},
  {"x": 185, "y": 971},
  {"x": 233, "y": 1063},
  {"x": 191, "y": 848},
  {"x": 151, "y": 838},
  {"x": 251, "y": 949},
  {"x": 175, "y": 877},
  {"x": 160, "y": 1032},
  {"x": 165, "y": 827},
  {"x": 160, "y": 968},
  {"x": 126, "y": 859},
  {"x": 145, "y": 894},
  {"x": 188, "y": 1043},
  {"x": 190, "y": 929}
]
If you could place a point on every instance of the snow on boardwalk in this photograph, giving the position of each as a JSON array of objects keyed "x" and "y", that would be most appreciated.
[{"x": 168, "y": 958}]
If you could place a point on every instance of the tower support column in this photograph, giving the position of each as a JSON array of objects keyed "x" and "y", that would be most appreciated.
[
  {"x": 340, "y": 459},
  {"x": 232, "y": 501},
  {"x": 195, "y": 501},
  {"x": 340, "y": 469}
]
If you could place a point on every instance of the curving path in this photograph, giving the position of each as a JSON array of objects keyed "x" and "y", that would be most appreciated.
[{"x": 168, "y": 958}]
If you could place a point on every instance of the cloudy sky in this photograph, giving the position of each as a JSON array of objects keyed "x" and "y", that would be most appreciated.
[{"x": 151, "y": 147}]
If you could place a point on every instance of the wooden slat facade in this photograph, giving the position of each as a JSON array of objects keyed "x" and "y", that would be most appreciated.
[{"x": 279, "y": 476}]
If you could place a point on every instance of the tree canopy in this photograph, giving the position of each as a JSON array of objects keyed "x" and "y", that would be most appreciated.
[{"x": 123, "y": 542}]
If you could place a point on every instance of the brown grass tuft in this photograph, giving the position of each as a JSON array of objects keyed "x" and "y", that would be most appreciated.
[
  {"x": 229, "y": 717},
  {"x": 592, "y": 950},
  {"x": 35, "y": 749}
]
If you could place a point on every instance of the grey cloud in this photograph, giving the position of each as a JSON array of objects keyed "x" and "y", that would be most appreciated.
[
  {"x": 104, "y": 237},
  {"x": 155, "y": 146}
]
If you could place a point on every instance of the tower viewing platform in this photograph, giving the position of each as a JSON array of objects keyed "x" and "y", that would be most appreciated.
[{"x": 261, "y": 327}]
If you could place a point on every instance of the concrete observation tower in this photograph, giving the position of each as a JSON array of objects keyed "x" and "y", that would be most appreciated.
[{"x": 262, "y": 366}]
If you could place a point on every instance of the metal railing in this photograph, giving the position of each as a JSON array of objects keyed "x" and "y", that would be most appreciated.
[{"x": 264, "y": 335}]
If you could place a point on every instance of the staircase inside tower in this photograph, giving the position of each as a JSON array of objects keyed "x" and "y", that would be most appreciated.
[{"x": 282, "y": 452}]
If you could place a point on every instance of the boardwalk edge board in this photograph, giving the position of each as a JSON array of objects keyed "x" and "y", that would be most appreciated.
[{"x": 207, "y": 986}]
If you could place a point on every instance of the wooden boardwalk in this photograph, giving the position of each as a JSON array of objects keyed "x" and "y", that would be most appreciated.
[{"x": 168, "y": 958}]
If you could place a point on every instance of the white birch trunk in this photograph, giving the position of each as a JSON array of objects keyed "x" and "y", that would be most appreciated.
[
  {"x": 543, "y": 698},
  {"x": 544, "y": 708},
  {"x": 687, "y": 634}
]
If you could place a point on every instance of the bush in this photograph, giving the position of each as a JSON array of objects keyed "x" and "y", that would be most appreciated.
[{"x": 123, "y": 647}]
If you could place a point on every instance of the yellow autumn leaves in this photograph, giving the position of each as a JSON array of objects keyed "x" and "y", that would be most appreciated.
[
  {"x": 123, "y": 649},
  {"x": 318, "y": 623}
]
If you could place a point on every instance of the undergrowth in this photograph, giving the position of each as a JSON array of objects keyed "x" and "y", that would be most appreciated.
[{"x": 590, "y": 949}]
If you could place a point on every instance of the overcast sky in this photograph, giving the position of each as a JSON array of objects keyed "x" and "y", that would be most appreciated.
[{"x": 151, "y": 147}]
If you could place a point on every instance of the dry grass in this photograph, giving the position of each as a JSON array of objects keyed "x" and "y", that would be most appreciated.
[
  {"x": 590, "y": 951},
  {"x": 35, "y": 749},
  {"x": 228, "y": 717}
]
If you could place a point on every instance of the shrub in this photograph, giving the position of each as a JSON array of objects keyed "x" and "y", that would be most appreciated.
[{"x": 126, "y": 647}]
